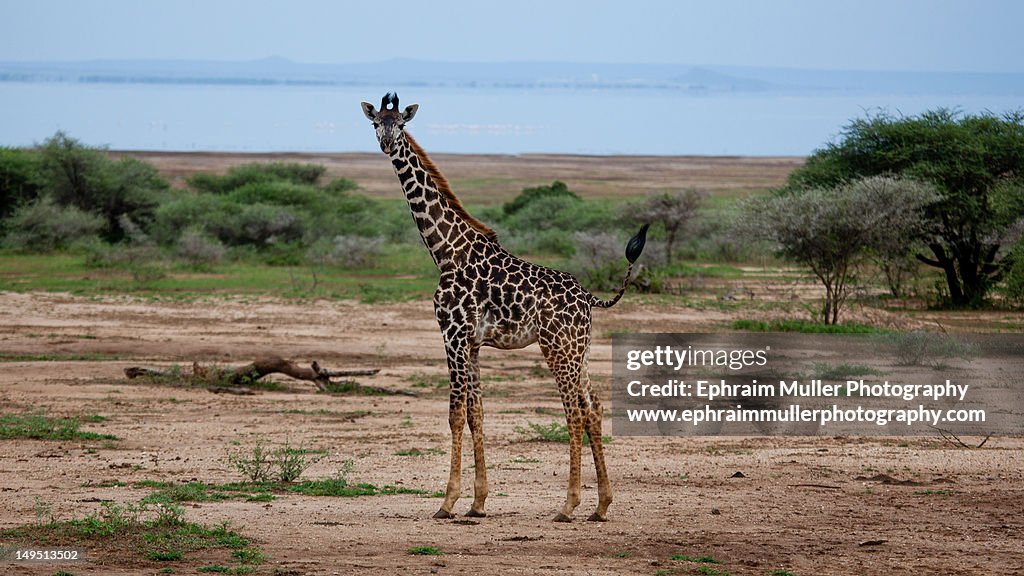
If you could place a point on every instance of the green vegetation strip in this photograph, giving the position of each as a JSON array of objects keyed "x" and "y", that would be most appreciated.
[
  {"x": 38, "y": 426},
  {"x": 157, "y": 534},
  {"x": 58, "y": 357},
  {"x": 805, "y": 326},
  {"x": 171, "y": 493}
]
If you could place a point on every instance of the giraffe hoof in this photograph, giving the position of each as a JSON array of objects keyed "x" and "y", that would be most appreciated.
[
  {"x": 562, "y": 518},
  {"x": 595, "y": 517},
  {"x": 443, "y": 514},
  {"x": 476, "y": 513}
]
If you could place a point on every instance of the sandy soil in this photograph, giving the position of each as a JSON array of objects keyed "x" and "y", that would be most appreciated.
[{"x": 802, "y": 504}]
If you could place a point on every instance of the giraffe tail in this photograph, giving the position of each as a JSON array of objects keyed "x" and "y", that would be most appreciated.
[{"x": 634, "y": 248}]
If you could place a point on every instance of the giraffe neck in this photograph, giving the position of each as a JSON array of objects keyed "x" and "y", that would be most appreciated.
[{"x": 445, "y": 226}]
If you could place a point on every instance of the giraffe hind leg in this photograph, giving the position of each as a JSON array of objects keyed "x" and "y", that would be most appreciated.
[
  {"x": 604, "y": 485},
  {"x": 566, "y": 369}
]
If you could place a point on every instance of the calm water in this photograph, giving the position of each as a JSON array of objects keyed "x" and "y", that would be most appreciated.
[{"x": 505, "y": 121}]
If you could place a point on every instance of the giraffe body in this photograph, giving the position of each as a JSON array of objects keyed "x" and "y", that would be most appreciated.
[{"x": 488, "y": 297}]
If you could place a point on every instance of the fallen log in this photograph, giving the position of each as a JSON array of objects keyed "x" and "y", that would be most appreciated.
[{"x": 227, "y": 377}]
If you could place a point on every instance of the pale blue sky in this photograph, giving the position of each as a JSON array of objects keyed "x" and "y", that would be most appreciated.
[{"x": 940, "y": 35}]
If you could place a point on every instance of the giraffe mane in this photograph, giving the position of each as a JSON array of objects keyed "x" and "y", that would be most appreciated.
[{"x": 444, "y": 189}]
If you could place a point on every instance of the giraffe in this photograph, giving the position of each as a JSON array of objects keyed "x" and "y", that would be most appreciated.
[{"x": 488, "y": 297}]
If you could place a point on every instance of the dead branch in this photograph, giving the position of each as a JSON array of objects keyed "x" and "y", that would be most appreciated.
[
  {"x": 225, "y": 379},
  {"x": 953, "y": 439}
]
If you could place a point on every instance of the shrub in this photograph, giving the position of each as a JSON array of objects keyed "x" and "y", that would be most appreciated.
[
  {"x": 557, "y": 189},
  {"x": 597, "y": 261},
  {"x": 84, "y": 177},
  {"x": 350, "y": 251},
  {"x": 262, "y": 224},
  {"x": 1013, "y": 282},
  {"x": 340, "y": 186},
  {"x": 198, "y": 248},
  {"x": 239, "y": 176},
  {"x": 19, "y": 179},
  {"x": 673, "y": 211},
  {"x": 202, "y": 211},
  {"x": 42, "y": 225}
]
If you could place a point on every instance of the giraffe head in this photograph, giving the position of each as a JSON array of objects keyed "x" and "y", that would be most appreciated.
[{"x": 388, "y": 121}]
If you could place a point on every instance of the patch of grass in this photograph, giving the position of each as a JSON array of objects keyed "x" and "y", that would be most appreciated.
[
  {"x": 399, "y": 274},
  {"x": 155, "y": 533},
  {"x": 524, "y": 460},
  {"x": 805, "y": 327},
  {"x": 695, "y": 559},
  {"x": 425, "y": 551},
  {"x": 930, "y": 492},
  {"x": 214, "y": 568},
  {"x": 826, "y": 371},
  {"x": 340, "y": 487},
  {"x": 166, "y": 556},
  {"x": 285, "y": 463},
  {"x": 420, "y": 380},
  {"x": 418, "y": 452},
  {"x": 39, "y": 426},
  {"x": 58, "y": 357},
  {"x": 344, "y": 415},
  {"x": 353, "y": 387},
  {"x": 250, "y": 555},
  {"x": 917, "y": 347},
  {"x": 709, "y": 571},
  {"x": 781, "y": 573},
  {"x": 189, "y": 492},
  {"x": 551, "y": 432}
]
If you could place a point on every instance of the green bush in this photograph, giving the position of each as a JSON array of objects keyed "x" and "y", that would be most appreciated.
[
  {"x": 546, "y": 225},
  {"x": 239, "y": 176},
  {"x": 44, "y": 226},
  {"x": 199, "y": 249},
  {"x": 557, "y": 189},
  {"x": 19, "y": 179},
  {"x": 1013, "y": 282},
  {"x": 77, "y": 175},
  {"x": 206, "y": 212}
]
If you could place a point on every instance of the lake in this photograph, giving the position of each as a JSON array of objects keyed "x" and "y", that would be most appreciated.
[{"x": 280, "y": 118}]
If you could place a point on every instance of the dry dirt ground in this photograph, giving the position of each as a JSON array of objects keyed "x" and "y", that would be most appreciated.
[
  {"x": 490, "y": 179},
  {"x": 802, "y": 505}
]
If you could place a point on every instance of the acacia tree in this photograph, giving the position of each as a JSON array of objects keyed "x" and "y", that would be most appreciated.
[
  {"x": 672, "y": 210},
  {"x": 73, "y": 174},
  {"x": 975, "y": 162},
  {"x": 834, "y": 230}
]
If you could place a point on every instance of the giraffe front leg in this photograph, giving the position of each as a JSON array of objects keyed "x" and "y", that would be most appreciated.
[
  {"x": 475, "y": 414},
  {"x": 456, "y": 422}
]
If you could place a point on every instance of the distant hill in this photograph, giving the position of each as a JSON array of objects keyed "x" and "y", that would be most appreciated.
[{"x": 518, "y": 75}]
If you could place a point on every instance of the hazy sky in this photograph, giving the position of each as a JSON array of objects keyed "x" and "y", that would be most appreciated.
[{"x": 947, "y": 35}]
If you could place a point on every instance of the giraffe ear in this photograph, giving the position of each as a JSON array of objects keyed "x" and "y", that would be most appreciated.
[
  {"x": 410, "y": 111},
  {"x": 369, "y": 110}
]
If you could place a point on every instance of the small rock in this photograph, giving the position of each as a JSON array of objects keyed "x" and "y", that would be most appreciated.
[
  {"x": 716, "y": 512},
  {"x": 738, "y": 475}
]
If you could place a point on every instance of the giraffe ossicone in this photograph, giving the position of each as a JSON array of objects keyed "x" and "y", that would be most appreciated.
[{"x": 488, "y": 297}]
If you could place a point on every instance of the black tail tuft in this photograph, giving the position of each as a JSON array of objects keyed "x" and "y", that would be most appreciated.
[{"x": 635, "y": 246}]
